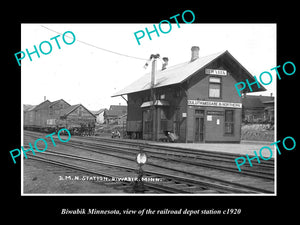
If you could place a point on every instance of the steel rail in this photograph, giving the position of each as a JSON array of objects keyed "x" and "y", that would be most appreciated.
[
  {"x": 157, "y": 187},
  {"x": 248, "y": 172},
  {"x": 221, "y": 186},
  {"x": 179, "y": 149},
  {"x": 221, "y": 156},
  {"x": 257, "y": 174}
]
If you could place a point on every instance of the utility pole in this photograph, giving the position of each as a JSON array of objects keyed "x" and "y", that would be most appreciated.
[{"x": 153, "y": 97}]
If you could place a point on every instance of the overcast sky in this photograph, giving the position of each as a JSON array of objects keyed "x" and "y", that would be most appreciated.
[{"x": 79, "y": 73}]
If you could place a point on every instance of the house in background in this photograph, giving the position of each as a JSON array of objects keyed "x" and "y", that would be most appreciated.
[
  {"x": 75, "y": 115},
  {"x": 58, "y": 113},
  {"x": 54, "y": 111},
  {"x": 122, "y": 119},
  {"x": 27, "y": 107},
  {"x": 115, "y": 114},
  {"x": 37, "y": 115},
  {"x": 258, "y": 108},
  {"x": 29, "y": 114},
  {"x": 99, "y": 115}
]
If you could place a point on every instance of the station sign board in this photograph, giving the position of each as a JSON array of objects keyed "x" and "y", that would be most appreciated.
[
  {"x": 215, "y": 104},
  {"x": 216, "y": 72}
]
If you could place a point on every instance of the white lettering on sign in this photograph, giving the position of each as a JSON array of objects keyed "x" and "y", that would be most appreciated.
[
  {"x": 216, "y": 104},
  {"x": 216, "y": 72}
]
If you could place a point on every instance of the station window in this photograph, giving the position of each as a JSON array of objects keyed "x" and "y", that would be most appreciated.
[
  {"x": 214, "y": 87},
  {"x": 229, "y": 121}
]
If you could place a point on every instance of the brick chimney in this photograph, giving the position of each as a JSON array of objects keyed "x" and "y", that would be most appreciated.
[
  {"x": 164, "y": 65},
  {"x": 195, "y": 53}
]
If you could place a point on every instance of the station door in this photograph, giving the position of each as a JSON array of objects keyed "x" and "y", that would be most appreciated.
[{"x": 199, "y": 126}]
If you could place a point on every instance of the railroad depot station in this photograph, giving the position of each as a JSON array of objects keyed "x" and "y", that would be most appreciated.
[{"x": 196, "y": 100}]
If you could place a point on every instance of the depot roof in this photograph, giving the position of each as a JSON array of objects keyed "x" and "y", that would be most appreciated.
[{"x": 181, "y": 72}]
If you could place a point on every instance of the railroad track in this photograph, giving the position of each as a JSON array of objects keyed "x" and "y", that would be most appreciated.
[
  {"x": 213, "y": 161},
  {"x": 128, "y": 185},
  {"x": 170, "y": 183},
  {"x": 217, "y": 161},
  {"x": 174, "y": 150},
  {"x": 189, "y": 182}
]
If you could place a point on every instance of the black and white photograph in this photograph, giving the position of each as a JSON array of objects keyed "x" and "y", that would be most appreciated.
[
  {"x": 149, "y": 110},
  {"x": 188, "y": 112}
]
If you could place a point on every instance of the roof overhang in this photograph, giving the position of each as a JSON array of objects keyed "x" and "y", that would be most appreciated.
[{"x": 157, "y": 103}]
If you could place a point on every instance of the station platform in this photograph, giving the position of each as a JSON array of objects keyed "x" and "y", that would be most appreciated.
[{"x": 243, "y": 148}]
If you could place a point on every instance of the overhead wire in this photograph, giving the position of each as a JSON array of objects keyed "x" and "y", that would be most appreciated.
[{"x": 103, "y": 49}]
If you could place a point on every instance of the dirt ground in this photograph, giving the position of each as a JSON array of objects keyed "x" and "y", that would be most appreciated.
[{"x": 40, "y": 178}]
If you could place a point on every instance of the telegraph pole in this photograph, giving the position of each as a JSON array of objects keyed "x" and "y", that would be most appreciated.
[{"x": 153, "y": 97}]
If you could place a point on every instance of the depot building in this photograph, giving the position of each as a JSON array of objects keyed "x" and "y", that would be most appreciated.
[{"x": 195, "y": 100}]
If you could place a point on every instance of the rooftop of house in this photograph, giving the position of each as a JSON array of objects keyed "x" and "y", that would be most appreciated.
[
  {"x": 47, "y": 103},
  {"x": 67, "y": 111},
  {"x": 256, "y": 101},
  {"x": 97, "y": 112},
  {"x": 116, "y": 110}
]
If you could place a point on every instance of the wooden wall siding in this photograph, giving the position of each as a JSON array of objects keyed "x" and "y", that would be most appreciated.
[
  {"x": 199, "y": 90},
  {"x": 55, "y": 110}
]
